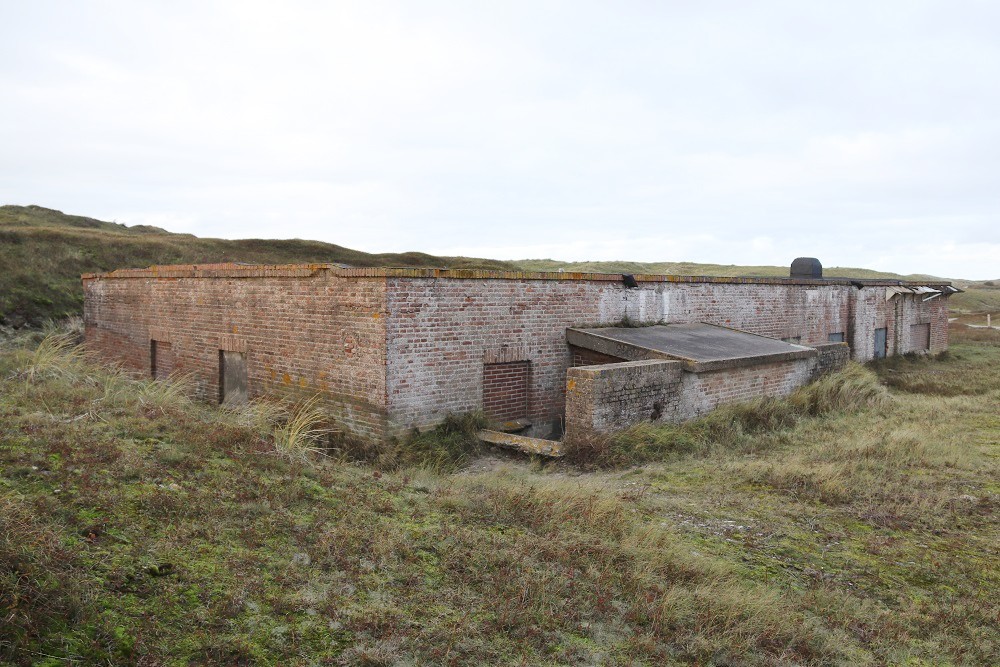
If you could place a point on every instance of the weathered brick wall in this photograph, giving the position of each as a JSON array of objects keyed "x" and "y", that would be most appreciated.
[
  {"x": 443, "y": 330},
  {"x": 304, "y": 331},
  {"x": 872, "y": 310},
  {"x": 808, "y": 312},
  {"x": 905, "y": 311},
  {"x": 613, "y": 397},
  {"x": 702, "y": 392},
  {"x": 392, "y": 349}
]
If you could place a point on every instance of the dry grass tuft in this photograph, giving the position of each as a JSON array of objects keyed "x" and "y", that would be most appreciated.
[
  {"x": 174, "y": 392},
  {"x": 57, "y": 355},
  {"x": 298, "y": 437}
]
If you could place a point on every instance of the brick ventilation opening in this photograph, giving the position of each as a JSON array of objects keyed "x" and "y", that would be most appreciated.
[{"x": 505, "y": 390}]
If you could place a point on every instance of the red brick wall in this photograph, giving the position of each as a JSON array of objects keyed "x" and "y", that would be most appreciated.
[
  {"x": 505, "y": 390},
  {"x": 304, "y": 330},
  {"x": 702, "y": 392}
]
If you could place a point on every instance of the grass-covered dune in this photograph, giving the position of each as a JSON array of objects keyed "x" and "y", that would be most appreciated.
[
  {"x": 854, "y": 524},
  {"x": 43, "y": 252}
]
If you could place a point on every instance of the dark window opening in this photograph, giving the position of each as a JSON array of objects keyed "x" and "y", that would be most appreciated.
[{"x": 835, "y": 337}]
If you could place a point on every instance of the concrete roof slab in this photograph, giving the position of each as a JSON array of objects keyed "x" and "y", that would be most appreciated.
[{"x": 705, "y": 346}]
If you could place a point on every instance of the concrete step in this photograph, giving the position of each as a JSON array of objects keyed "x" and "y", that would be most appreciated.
[{"x": 522, "y": 443}]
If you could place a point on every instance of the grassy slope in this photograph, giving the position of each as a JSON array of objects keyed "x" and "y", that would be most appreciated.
[
  {"x": 138, "y": 528},
  {"x": 695, "y": 269},
  {"x": 977, "y": 298},
  {"x": 43, "y": 252}
]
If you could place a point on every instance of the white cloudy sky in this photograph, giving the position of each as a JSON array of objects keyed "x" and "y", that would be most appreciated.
[{"x": 866, "y": 134}]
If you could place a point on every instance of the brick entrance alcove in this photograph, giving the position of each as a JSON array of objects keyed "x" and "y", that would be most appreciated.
[{"x": 505, "y": 390}]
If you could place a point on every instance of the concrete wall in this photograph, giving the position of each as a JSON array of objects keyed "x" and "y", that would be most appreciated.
[
  {"x": 611, "y": 397},
  {"x": 304, "y": 331},
  {"x": 831, "y": 357}
]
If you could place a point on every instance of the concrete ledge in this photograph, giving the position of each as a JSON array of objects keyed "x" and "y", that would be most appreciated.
[
  {"x": 589, "y": 340},
  {"x": 826, "y": 347},
  {"x": 617, "y": 369},
  {"x": 522, "y": 443},
  {"x": 741, "y": 362}
]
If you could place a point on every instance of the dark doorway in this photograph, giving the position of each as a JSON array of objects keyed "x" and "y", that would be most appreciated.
[
  {"x": 232, "y": 377},
  {"x": 880, "y": 343}
]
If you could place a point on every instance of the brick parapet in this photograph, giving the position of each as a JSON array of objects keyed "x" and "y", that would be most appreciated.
[{"x": 233, "y": 270}]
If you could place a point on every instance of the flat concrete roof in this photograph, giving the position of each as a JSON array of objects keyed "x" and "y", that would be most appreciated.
[
  {"x": 705, "y": 346},
  {"x": 233, "y": 270}
]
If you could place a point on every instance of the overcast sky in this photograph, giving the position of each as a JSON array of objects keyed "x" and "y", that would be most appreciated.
[{"x": 865, "y": 134}]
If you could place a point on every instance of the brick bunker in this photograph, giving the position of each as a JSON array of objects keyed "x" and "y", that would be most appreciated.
[{"x": 388, "y": 350}]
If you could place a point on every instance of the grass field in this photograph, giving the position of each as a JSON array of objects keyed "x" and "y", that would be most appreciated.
[{"x": 854, "y": 524}]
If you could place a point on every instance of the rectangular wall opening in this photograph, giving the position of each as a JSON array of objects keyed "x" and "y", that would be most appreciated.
[
  {"x": 835, "y": 337},
  {"x": 161, "y": 359},
  {"x": 505, "y": 390},
  {"x": 920, "y": 337},
  {"x": 232, "y": 377}
]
